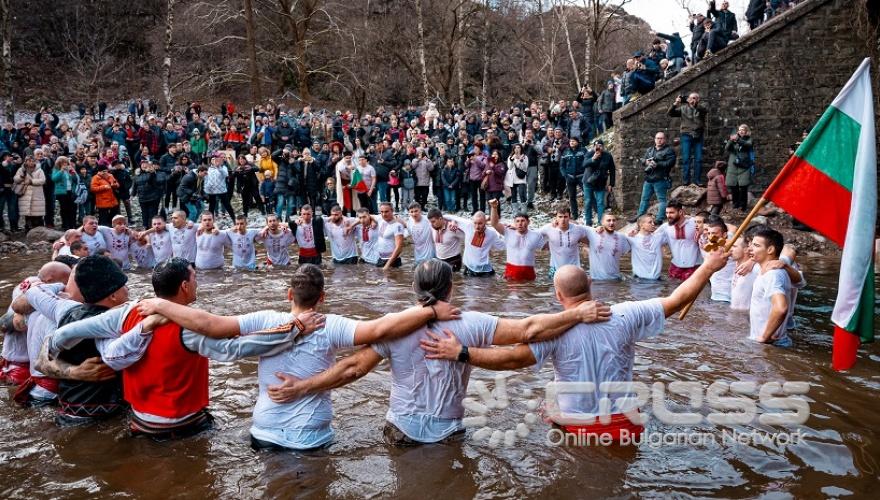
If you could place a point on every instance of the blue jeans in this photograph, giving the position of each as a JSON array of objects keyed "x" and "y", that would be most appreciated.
[
  {"x": 449, "y": 196},
  {"x": 593, "y": 197},
  {"x": 286, "y": 202},
  {"x": 193, "y": 209},
  {"x": 9, "y": 202},
  {"x": 382, "y": 190},
  {"x": 690, "y": 144},
  {"x": 659, "y": 188}
]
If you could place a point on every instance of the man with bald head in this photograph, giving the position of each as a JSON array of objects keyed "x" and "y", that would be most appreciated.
[
  {"x": 597, "y": 352},
  {"x": 479, "y": 240},
  {"x": 17, "y": 364}
]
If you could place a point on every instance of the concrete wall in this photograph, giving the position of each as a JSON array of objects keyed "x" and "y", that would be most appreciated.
[{"x": 778, "y": 80}]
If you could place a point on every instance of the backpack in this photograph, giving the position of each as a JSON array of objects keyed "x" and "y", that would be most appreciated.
[{"x": 81, "y": 192}]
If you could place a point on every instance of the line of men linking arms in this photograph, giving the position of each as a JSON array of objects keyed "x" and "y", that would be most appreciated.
[{"x": 96, "y": 354}]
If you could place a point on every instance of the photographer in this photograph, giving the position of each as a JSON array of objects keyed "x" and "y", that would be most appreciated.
[
  {"x": 149, "y": 189},
  {"x": 599, "y": 178},
  {"x": 657, "y": 163},
  {"x": 740, "y": 162},
  {"x": 693, "y": 115}
]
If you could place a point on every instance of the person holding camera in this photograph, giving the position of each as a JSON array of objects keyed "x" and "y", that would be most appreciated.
[
  {"x": 740, "y": 150},
  {"x": 599, "y": 178},
  {"x": 724, "y": 30},
  {"x": 693, "y": 115},
  {"x": 657, "y": 163}
]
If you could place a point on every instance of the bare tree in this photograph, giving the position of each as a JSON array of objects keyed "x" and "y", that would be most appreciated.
[
  {"x": 459, "y": 45},
  {"x": 600, "y": 16},
  {"x": 484, "y": 89},
  {"x": 562, "y": 15},
  {"x": 253, "y": 67},
  {"x": 423, "y": 65},
  {"x": 6, "y": 58},
  {"x": 166, "y": 60},
  {"x": 89, "y": 48}
]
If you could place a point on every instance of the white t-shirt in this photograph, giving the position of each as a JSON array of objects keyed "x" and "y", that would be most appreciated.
[
  {"x": 600, "y": 352},
  {"x": 244, "y": 252},
  {"x": 766, "y": 286},
  {"x": 163, "y": 248},
  {"x": 65, "y": 250},
  {"x": 306, "y": 421},
  {"x": 305, "y": 235},
  {"x": 605, "y": 252},
  {"x": 646, "y": 253},
  {"x": 565, "y": 246},
  {"x": 421, "y": 234},
  {"x": 95, "y": 242},
  {"x": 447, "y": 243},
  {"x": 426, "y": 394},
  {"x": 388, "y": 232},
  {"x": 476, "y": 257},
  {"x": 721, "y": 282},
  {"x": 118, "y": 244},
  {"x": 683, "y": 243},
  {"x": 210, "y": 250},
  {"x": 369, "y": 240},
  {"x": 143, "y": 255},
  {"x": 278, "y": 246},
  {"x": 741, "y": 289},
  {"x": 521, "y": 248},
  {"x": 183, "y": 242},
  {"x": 342, "y": 246}
]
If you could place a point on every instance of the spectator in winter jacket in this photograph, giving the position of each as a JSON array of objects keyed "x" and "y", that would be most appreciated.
[
  {"x": 422, "y": 166},
  {"x": 716, "y": 188},
  {"x": 693, "y": 115},
  {"x": 755, "y": 13},
  {"x": 149, "y": 189},
  {"x": 674, "y": 50},
  {"x": 267, "y": 191},
  {"x": 724, "y": 29},
  {"x": 123, "y": 194},
  {"x": 247, "y": 184},
  {"x": 599, "y": 178},
  {"x": 450, "y": 180},
  {"x": 495, "y": 173},
  {"x": 216, "y": 187},
  {"x": 571, "y": 167},
  {"x": 697, "y": 32},
  {"x": 740, "y": 160},
  {"x": 190, "y": 192},
  {"x": 104, "y": 185},
  {"x": 605, "y": 106},
  {"x": 657, "y": 163}
]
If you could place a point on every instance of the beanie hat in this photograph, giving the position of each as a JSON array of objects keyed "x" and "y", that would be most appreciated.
[{"x": 97, "y": 277}]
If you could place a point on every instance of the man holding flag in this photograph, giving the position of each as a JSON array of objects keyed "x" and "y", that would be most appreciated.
[{"x": 838, "y": 162}]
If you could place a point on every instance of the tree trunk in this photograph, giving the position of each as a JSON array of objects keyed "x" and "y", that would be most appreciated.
[
  {"x": 564, "y": 22},
  {"x": 459, "y": 19},
  {"x": 423, "y": 65},
  {"x": 547, "y": 76},
  {"x": 256, "y": 87},
  {"x": 6, "y": 56},
  {"x": 166, "y": 61},
  {"x": 484, "y": 91},
  {"x": 588, "y": 58}
]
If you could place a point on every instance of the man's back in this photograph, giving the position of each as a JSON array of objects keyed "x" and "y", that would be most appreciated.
[{"x": 600, "y": 352}]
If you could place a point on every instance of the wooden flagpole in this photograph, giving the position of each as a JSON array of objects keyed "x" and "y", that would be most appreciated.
[{"x": 739, "y": 231}]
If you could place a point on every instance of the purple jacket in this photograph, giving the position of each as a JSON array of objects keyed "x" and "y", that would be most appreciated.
[
  {"x": 496, "y": 178},
  {"x": 476, "y": 167}
]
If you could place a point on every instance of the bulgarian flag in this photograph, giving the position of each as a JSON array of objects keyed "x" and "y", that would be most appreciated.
[
  {"x": 357, "y": 181},
  {"x": 830, "y": 184}
]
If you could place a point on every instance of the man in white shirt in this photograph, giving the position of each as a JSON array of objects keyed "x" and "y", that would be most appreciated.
[
  {"x": 597, "y": 353},
  {"x": 62, "y": 246},
  {"x": 720, "y": 283},
  {"x": 419, "y": 230},
  {"x": 277, "y": 240},
  {"x": 343, "y": 243},
  {"x": 646, "y": 248},
  {"x": 303, "y": 423},
  {"x": 606, "y": 248},
  {"x": 564, "y": 239},
  {"x": 91, "y": 236},
  {"x": 426, "y": 395},
  {"x": 741, "y": 283},
  {"x": 160, "y": 240},
  {"x": 390, "y": 244},
  {"x": 479, "y": 241},
  {"x": 243, "y": 243},
  {"x": 211, "y": 244},
  {"x": 522, "y": 244},
  {"x": 309, "y": 233},
  {"x": 368, "y": 176},
  {"x": 367, "y": 230},
  {"x": 118, "y": 240},
  {"x": 183, "y": 236},
  {"x": 681, "y": 232},
  {"x": 448, "y": 239},
  {"x": 769, "y": 306}
]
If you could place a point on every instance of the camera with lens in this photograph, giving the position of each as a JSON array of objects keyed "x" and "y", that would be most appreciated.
[{"x": 649, "y": 164}]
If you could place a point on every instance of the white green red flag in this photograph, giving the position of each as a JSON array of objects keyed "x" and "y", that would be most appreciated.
[{"x": 830, "y": 184}]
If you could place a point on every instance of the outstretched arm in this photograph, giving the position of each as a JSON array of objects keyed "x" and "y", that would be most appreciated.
[
  {"x": 541, "y": 327},
  {"x": 490, "y": 358},
  {"x": 495, "y": 217},
  {"x": 394, "y": 325},
  {"x": 688, "y": 291},
  {"x": 345, "y": 371},
  {"x": 197, "y": 320}
]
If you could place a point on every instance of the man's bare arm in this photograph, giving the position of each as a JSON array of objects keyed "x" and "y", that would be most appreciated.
[
  {"x": 491, "y": 358},
  {"x": 394, "y": 325},
  {"x": 540, "y": 327},
  {"x": 90, "y": 370},
  {"x": 688, "y": 291},
  {"x": 778, "y": 312},
  {"x": 345, "y": 371}
]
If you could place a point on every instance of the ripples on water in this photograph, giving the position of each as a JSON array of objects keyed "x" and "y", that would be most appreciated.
[{"x": 838, "y": 456}]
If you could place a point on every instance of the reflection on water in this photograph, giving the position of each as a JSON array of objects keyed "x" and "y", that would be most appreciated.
[{"x": 837, "y": 456}]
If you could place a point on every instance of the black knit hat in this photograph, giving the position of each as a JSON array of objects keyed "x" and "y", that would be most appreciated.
[{"x": 97, "y": 277}]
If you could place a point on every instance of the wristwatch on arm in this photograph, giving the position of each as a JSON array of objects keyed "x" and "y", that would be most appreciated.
[{"x": 464, "y": 356}]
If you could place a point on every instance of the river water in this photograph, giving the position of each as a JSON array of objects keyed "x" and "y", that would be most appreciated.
[{"x": 837, "y": 453}]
